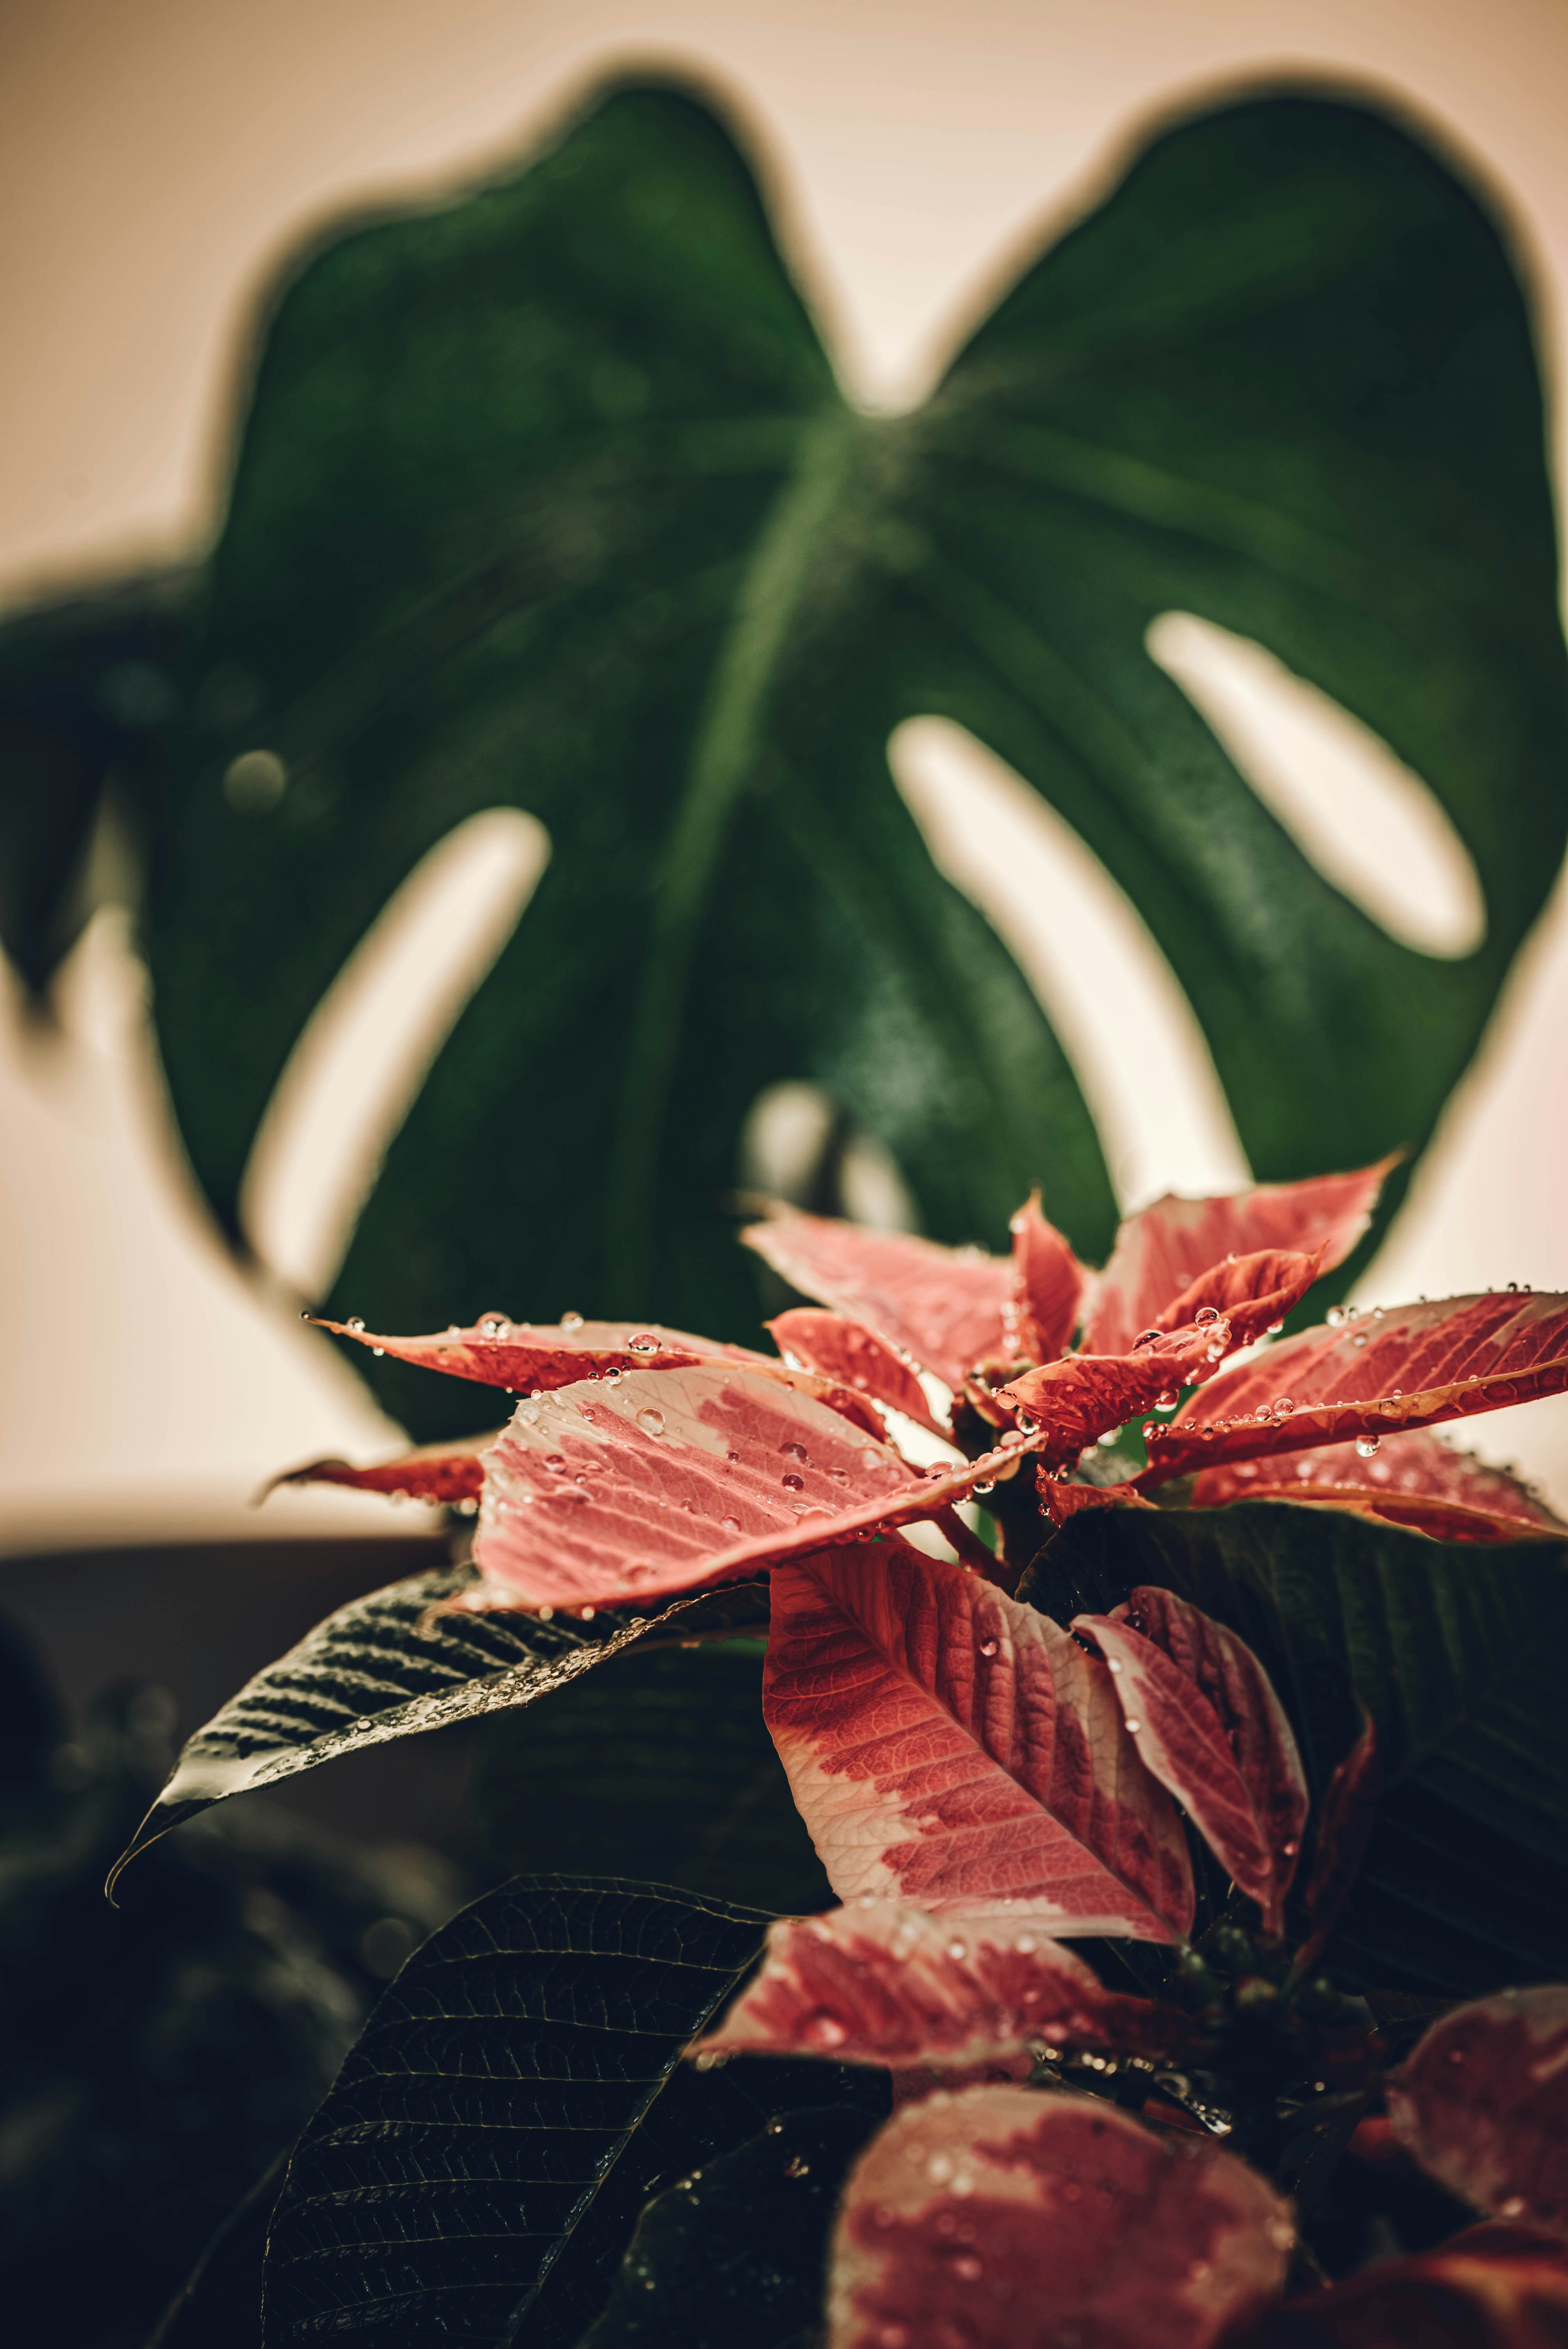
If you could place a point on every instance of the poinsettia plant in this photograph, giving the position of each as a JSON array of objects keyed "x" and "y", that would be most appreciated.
[{"x": 1120, "y": 1894}]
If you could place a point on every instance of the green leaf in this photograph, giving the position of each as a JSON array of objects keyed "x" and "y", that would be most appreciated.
[
  {"x": 1459, "y": 1651},
  {"x": 391, "y": 1665},
  {"x": 548, "y": 498},
  {"x": 499, "y": 2095}
]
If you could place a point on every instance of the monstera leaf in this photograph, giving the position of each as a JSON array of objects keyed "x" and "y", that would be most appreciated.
[{"x": 548, "y": 498}]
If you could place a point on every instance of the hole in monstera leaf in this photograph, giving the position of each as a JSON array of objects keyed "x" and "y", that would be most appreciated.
[
  {"x": 1118, "y": 1010},
  {"x": 357, "y": 1067},
  {"x": 1369, "y": 825},
  {"x": 799, "y": 1143}
]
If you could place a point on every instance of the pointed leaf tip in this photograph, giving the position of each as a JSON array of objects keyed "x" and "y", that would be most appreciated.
[{"x": 942, "y": 1308}]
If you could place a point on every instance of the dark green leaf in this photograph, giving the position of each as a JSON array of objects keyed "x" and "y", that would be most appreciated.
[
  {"x": 499, "y": 2082},
  {"x": 392, "y": 1665},
  {"x": 734, "y": 2256},
  {"x": 1460, "y": 1655},
  {"x": 660, "y": 1764},
  {"x": 548, "y": 497}
]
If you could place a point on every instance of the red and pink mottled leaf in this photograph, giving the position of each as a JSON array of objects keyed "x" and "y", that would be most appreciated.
[
  {"x": 1409, "y": 1367},
  {"x": 623, "y": 1489},
  {"x": 1003, "y": 2220},
  {"x": 943, "y": 1308},
  {"x": 1483, "y": 2104},
  {"x": 948, "y": 1746},
  {"x": 1206, "y": 1718},
  {"x": 1169, "y": 1245},
  {"x": 1080, "y": 1397},
  {"x": 1048, "y": 1284},
  {"x": 450, "y": 1472},
  {"x": 1415, "y": 1480},
  {"x": 1254, "y": 1293},
  {"x": 1491, "y": 2287},
  {"x": 1345, "y": 1826},
  {"x": 1061, "y": 1502},
  {"x": 527, "y": 1356},
  {"x": 839, "y": 1348},
  {"x": 883, "y": 1982}
]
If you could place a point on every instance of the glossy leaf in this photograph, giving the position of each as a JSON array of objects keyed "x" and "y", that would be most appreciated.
[
  {"x": 403, "y": 1661},
  {"x": 1254, "y": 1293},
  {"x": 1488, "y": 2287},
  {"x": 884, "y": 1982},
  {"x": 1009, "y": 2219},
  {"x": 1170, "y": 1246},
  {"x": 663, "y": 1480},
  {"x": 1483, "y": 2104},
  {"x": 1414, "y": 1479},
  {"x": 1345, "y": 1823},
  {"x": 521, "y": 1356},
  {"x": 1200, "y": 1709},
  {"x": 1048, "y": 1285},
  {"x": 839, "y": 1348},
  {"x": 451, "y": 1472},
  {"x": 498, "y": 2084},
  {"x": 1408, "y": 1366},
  {"x": 1083, "y": 1396},
  {"x": 943, "y": 1308},
  {"x": 1454, "y": 1651},
  {"x": 950, "y": 1747}
]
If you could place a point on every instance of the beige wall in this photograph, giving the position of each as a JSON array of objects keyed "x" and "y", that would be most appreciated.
[{"x": 155, "y": 161}]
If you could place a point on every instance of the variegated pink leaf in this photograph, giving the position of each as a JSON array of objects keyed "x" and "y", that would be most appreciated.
[
  {"x": 626, "y": 1488},
  {"x": 1170, "y": 1245},
  {"x": 526, "y": 1356},
  {"x": 1072, "y": 1402},
  {"x": 1483, "y": 2104},
  {"x": 949, "y": 1746},
  {"x": 451, "y": 1472},
  {"x": 943, "y": 1308},
  {"x": 884, "y": 1982},
  {"x": 1048, "y": 1285},
  {"x": 1409, "y": 1367},
  {"x": 1206, "y": 1718},
  {"x": 1415, "y": 1480},
  {"x": 843, "y": 1351},
  {"x": 1000, "y": 2219}
]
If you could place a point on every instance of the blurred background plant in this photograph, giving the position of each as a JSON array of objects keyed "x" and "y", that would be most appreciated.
[{"x": 626, "y": 716}]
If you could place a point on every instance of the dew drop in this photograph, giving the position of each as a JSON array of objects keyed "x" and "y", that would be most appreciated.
[
  {"x": 1133, "y": 1726},
  {"x": 643, "y": 1341},
  {"x": 357, "y": 1325},
  {"x": 939, "y": 2168},
  {"x": 793, "y": 1484},
  {"x": 987, "y": 1647},
  {"x": 1290, "y": 1849},
  {"x": 364, "y": 1725},
  {"x": 1025, "y": 1945},
  {"x": 651, "y": 1422},
  {"x": 1283, "y": 1406},
  {"x": 1514, "y": 2206},
  {"x": 793, "y": 1450},
  {"x": 1166, "y": 1400},
  {"x": 586, "y": 1614},
  {"x": 1206, "y": 1315},
  {"x": 1367, "y": 1446},
  {"x": 730, "y": 1524},
  {"x": 572, "y": 1320},
  {"x": 1115, "y": 1664},
  {"x": 1148, "y": 1336},
  {"x": 986, "y": 1484}
]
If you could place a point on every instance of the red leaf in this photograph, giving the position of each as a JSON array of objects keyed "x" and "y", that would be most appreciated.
[
  {"x": 1254, "y": 1293},
  {"x": 883, "y": 1982},
  {"x": 1048, "y": 1283},
  {"x": 943, "y": 1308},
  {"x": 435, "y": 1472},
  {"x": 1488, "y": 2287},
  {"x": 1408, "y": 1366},
  {"x": 1483, "y": 2104},
  {"x": 1344, "y": 1831},
  {"x": 1206, "y": 1718},
  {"x": 1167, "y": 1248},
  {"x": 1001, "y": 2219},
  {"x": 949, "y": 1746},
  {"x": 1061, "y": 1502},
  {"x": 626, "y": 1489},
  {"x": 1079, "y": 1397},
  {"x": 837, "y": 1348},
  {"x": 1416, "y": 1480},
  {"x": 523, "y": 1356}
]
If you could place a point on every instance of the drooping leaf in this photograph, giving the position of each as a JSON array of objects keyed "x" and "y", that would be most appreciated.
[
  {"x": 499, "y": 2080},
  {"x": 1345, "y": 1822},
  {"x": 1409, "y": 1367},
  {"x": 1081, "y": 1396},
  {"x": 664, "y": 1480},
  {"x": 1009, "y": 2219},
  {"x": 392, "y": 1665},
  {"x": 1414, "y": 1479},
  {"x": 1200, "y": 1709},
  {"x": 733, "y": 2256},
  {"x": 1048, "y": 1285},
  {"x": 516, "y": 1355},
  {"x": 885, "y": 1982},
  {"x": 1169, "y": 1247},
  {"x": 839, "y": 1348},
  {"x": 1489, "y": 2287},
  {"x": 453, "y": 1470},
  {"x": 942, "y": 1308},
  {"x": 1483, "y": 2104},
  {"x": 951, "y": 1748},
  {"x": 1458, "y": 1653}
]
